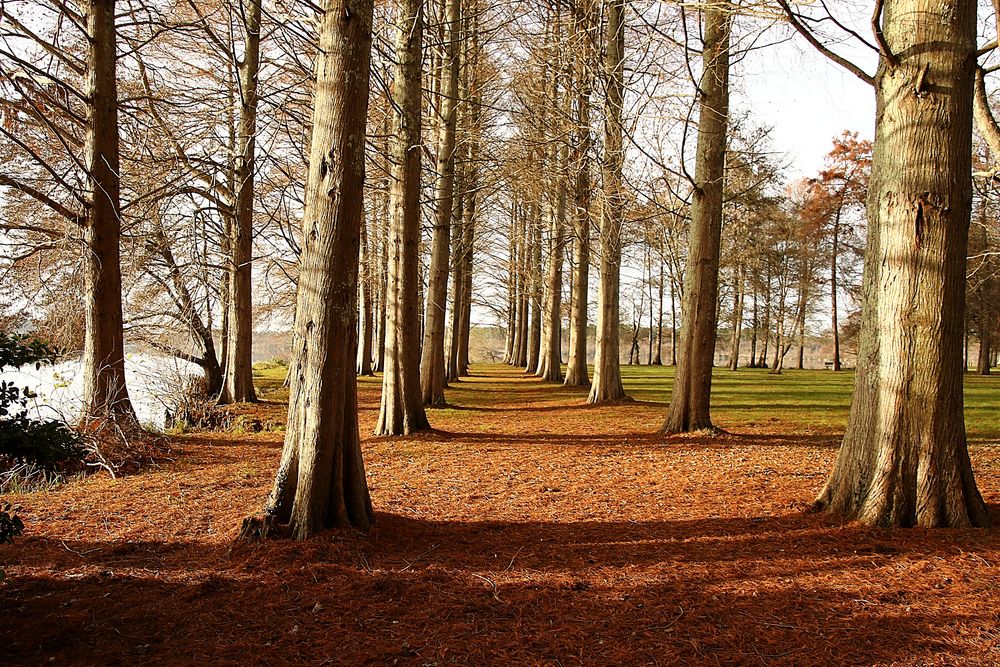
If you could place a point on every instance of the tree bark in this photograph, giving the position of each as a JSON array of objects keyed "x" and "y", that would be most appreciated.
[
  {"x": 402, "y": 408},
  {"x": 691, "y": 398},
  {"x": 904, "y": 460},
  {"x": 104, "y": 392},
  {"x": 238, "y": 384},
  {"x": 550, "y": 364},
  {"x": 607, "y": 382},
  {"x": 364, "y": 361},
  {"x": 534, "y": 333},
  {"x": 985, "y": 358},
  {"x": 577, "y": 373},
  {"x": 833, "y": 289},
  {"x": 734, "y": 357},
  {"x": 383, "y": 289},
  {"x": 432, "y": 366},
  {"x": 320, "y": 481}
]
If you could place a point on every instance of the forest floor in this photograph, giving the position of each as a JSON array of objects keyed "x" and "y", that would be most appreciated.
[{"x": 530, "y": 528}]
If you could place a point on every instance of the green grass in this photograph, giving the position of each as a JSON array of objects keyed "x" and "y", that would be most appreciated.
[
  {"x": 816, "y": 400},
  {"x": 810, "y": 398}
]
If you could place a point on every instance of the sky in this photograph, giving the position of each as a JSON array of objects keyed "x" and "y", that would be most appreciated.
[{"x": 805, "y": 98}]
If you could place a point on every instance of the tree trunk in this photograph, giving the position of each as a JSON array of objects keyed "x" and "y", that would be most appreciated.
[
  {"x": 383, "y": 288},
  {"x": 766, "y": 324},
  {"x": 833, "y": 290},
  {"x": 402, "y": 410},
  {"x": 321, "y": 478},
  {"x": 457, "y": 283},
  {"x": 549, "y": 366},
  {"x": 104, "y": 392},
  {"x": 577, "y": 373},
  {"x": 734, "y": 357},
  {"x": 673, "y": 324},
  {"x": 468, "y": 253},
  {"x": 432, "y": 367},
  {"x": 238, "y": 384},
  {"x": 200, "y": 331},
  {"x": 534, "y": 338},
  {"x": 691, "y": 398},
  {"x": 607, "y": 383},
  {"x": 513, "y": 284},
  {"x": 364, "y": 361},
  {"x": 983, "y": 362},
  {"x": 658, "y": 360},
  {"x": 904, "y": 460}
]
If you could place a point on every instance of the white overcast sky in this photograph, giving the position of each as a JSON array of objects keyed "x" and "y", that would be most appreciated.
[{"x": 804, "y": 97}]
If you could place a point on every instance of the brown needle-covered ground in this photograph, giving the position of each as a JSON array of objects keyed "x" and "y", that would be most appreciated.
[{"x": 529, "y": 529}]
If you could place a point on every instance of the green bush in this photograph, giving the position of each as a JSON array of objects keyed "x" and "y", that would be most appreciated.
[{"x": 48, "y": 444}]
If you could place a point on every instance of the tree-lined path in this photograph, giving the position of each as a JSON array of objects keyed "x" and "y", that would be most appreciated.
[{"x": 531, "y": 527}]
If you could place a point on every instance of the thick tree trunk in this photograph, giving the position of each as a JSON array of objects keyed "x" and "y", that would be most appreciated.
[
  {"x": 691, "y": 398},
  {"x": 321, "y": 478},
  {"x": 607, "y": 382},
  {"x": 432, "y": 366},
  {"x": 238, "y": 384},
  {"x": 904, "y": 460},
  {"x": 104, "y": 392},
  {"x": 577, "y": 373},
  {"x": 402, "y": 410}
]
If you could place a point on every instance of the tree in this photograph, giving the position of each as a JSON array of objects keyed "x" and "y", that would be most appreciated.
[
  {"x": 432, "y": 365},
  {"x": 238, "y": 383},
  {"x": 607, "y": 381},
  {"x": 577, "y": 373},
  {"x": 691, "y": 396},
  {"x": 321, "y": 479},
  {"x": 904, "y": 460},
  {"x": 843, "y": 183},
  {"x": 402, "y": 409},
  {"x": 73, "y": 91}
]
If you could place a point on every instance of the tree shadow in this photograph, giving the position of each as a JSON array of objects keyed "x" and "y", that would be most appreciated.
[{"x": 795, "y": 589}]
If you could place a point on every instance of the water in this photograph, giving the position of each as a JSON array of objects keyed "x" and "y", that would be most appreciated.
[{"x": 155, "y": 384}]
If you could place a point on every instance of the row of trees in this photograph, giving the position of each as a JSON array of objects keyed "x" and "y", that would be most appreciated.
[{"x": 521, "y": 127}]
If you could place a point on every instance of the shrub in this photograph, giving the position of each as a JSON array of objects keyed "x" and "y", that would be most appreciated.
[
  {"x": 46, "y": 444},
  {"x": 10, "y": 527}
]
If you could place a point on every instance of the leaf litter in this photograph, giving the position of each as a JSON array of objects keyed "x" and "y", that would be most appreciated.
[{"x": 529, "y": 528}]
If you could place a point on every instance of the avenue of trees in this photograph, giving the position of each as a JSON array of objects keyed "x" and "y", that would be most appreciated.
[{"x": 378, "y": 178}]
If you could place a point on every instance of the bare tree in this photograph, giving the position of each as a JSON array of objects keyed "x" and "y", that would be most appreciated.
[
  {"x": 904, "y": 460},
  {"x": 402, "y": 409},
  {"x": 321, "y": 479}
]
